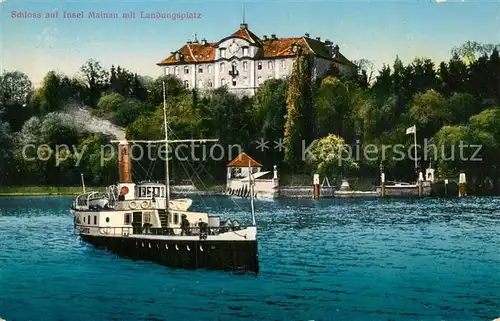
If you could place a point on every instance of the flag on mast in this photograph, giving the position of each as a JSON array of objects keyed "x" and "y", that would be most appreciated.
[{"x": 411, "y": 130}]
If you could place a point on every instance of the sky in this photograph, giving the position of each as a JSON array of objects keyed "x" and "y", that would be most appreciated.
[{"x": 373, "y": 30}]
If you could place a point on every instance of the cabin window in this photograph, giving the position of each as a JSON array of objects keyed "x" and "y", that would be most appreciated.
[
  {"x": 107, "y": 219},
  {"x": 176, "y": 218},
  {"x": 128, "y": 218},
  {"x": 88, "y": 219},
  {"x": 95, "y": 220},
  {"x": 147, "y": 217}
]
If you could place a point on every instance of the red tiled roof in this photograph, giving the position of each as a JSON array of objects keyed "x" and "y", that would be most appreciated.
[
  {"x": 244, "y": 33},
  {"x": 270, "y": 48},
  {"x": 192, "y": 52},
  {"x": 243, "y": 160}
]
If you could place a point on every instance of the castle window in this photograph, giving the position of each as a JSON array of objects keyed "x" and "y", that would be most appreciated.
[
  {"x": 259, "y": 65},
  {"x": 223, "y": 52},
  {"x": 222, "y": 67},
  {"x": 127, "y": 218},
  {"x": 270, "y": 65},
  {"x": 166, "y": 71},
  {"x": 186, "y": 84},
  {"x": 283, "y": 64},
  {"x": 200, "y": 83},
  {"x": 223, "y": 82},
  {"x": 200, "y": 69},
  {"x": 245, "y": 66},
  {"x": 210, "y": 69},
  {"x": 259, "y": 80},
  {"x": 210, "y": 83},
  {"x": 186, "y": 70},
  {"x": 177, "y": 70},
  {"x": 234, "y": 82},
  {"x": 245, "y": 51},
  {"x": 245, "y": 81}
]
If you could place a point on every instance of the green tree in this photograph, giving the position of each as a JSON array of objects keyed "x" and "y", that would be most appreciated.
[
  {"x": 96, "y": 81},
  {"x": 300, "y": 119},
  {"x": 331, "y": 157}
]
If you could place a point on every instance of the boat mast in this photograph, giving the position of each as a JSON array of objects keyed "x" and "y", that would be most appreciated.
[
  {"x": 167, "y": 186},
  {"x": 250, "y": 182}
]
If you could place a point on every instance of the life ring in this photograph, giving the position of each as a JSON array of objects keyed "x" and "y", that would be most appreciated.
[
  {"x": 145, "y": 204},
  {"x": 132, "y": 205}
]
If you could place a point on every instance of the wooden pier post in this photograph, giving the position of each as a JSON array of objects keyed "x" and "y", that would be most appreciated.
[
  {"x": 382, "y": 185},
  {"x": 461, "y": 185},
  {"x": 316, "y": 186},
  {"x": 446, "y": 188},
  {"x": 420, "y": 184}
]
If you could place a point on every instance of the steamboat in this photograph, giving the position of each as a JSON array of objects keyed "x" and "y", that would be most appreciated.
[{"x": 140, "y": 221}]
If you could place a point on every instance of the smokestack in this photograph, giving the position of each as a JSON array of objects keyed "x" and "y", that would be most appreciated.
[{"x": 125, "y": 164}]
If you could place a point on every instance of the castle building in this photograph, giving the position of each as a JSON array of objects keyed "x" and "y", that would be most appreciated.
[{"x": 243, "y": 61}]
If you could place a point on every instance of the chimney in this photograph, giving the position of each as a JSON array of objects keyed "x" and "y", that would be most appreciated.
[
  {"x": 204, "y": 41},
  {"x": 125, "y": 166},
  {"x": 318, "y": 38},
  {"x": 265, "y": 37},
  {"x": 273, "y": 36},
  {"x": 307, "y": 34}
]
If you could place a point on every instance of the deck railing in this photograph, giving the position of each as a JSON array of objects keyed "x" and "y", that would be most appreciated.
[{"x": 149, "y": 230}]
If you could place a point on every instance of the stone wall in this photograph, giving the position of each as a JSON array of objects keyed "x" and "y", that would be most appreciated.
[{"x": 305, "y": 192}]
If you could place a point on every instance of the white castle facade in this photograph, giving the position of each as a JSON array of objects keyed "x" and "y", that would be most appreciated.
[{"x": 243, "y": 61}]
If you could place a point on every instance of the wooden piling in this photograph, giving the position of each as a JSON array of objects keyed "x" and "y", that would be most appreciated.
[
  {"x": 382, "y": 185},
  {"x": 316, "y": 186},
  {"x": 420, "y": 184},
  {"x": 461, "y": 185},
  {"x": 446, "y": 188}
]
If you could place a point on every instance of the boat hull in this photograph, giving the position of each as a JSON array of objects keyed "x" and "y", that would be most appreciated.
[{"x": 184, "y": 254}]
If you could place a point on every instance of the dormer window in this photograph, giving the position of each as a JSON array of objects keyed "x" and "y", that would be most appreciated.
[
  {"x": 179, "y": 56},
  {"x": 259, "y": 65},
  {"x": 222, "y": 52},
  {"x": 186, "y": 70},
  {"x": 245, "y": 51},
  {"x": 295, "y": 48}
]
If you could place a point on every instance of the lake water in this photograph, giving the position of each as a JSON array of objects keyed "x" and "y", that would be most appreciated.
[{"x": 372, "y": 259}]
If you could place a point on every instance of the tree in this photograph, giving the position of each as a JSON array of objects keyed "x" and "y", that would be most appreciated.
[
  {"x": 15, "y": 92},
  {"x": 300, "y": 118},
  {"x": 332, "y": 107},
  {"x": 331, "y": 157},
  {"x": 96, "y": 80},
  {"x": 429, "y": 111}
]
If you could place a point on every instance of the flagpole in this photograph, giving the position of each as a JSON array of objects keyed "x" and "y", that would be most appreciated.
[{"x": 415, "y": 142}]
